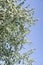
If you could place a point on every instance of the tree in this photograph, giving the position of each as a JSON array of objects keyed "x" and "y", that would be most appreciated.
[{"x": 13, "y": 31}]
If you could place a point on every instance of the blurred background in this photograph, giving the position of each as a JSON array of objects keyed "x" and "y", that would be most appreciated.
[{"x": 36, "y": 35}]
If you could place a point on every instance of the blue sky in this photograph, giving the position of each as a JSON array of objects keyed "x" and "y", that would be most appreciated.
[{"x": 36, "y": 35}]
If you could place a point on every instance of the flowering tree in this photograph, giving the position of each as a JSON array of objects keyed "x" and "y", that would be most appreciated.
[{"x": 13, "y": 31}]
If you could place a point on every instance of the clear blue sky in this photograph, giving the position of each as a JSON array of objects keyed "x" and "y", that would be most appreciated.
[{"x": 36, "y": 35}]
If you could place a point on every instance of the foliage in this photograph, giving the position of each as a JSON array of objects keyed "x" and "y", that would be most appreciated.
[{"x": 13, "y": 31}]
